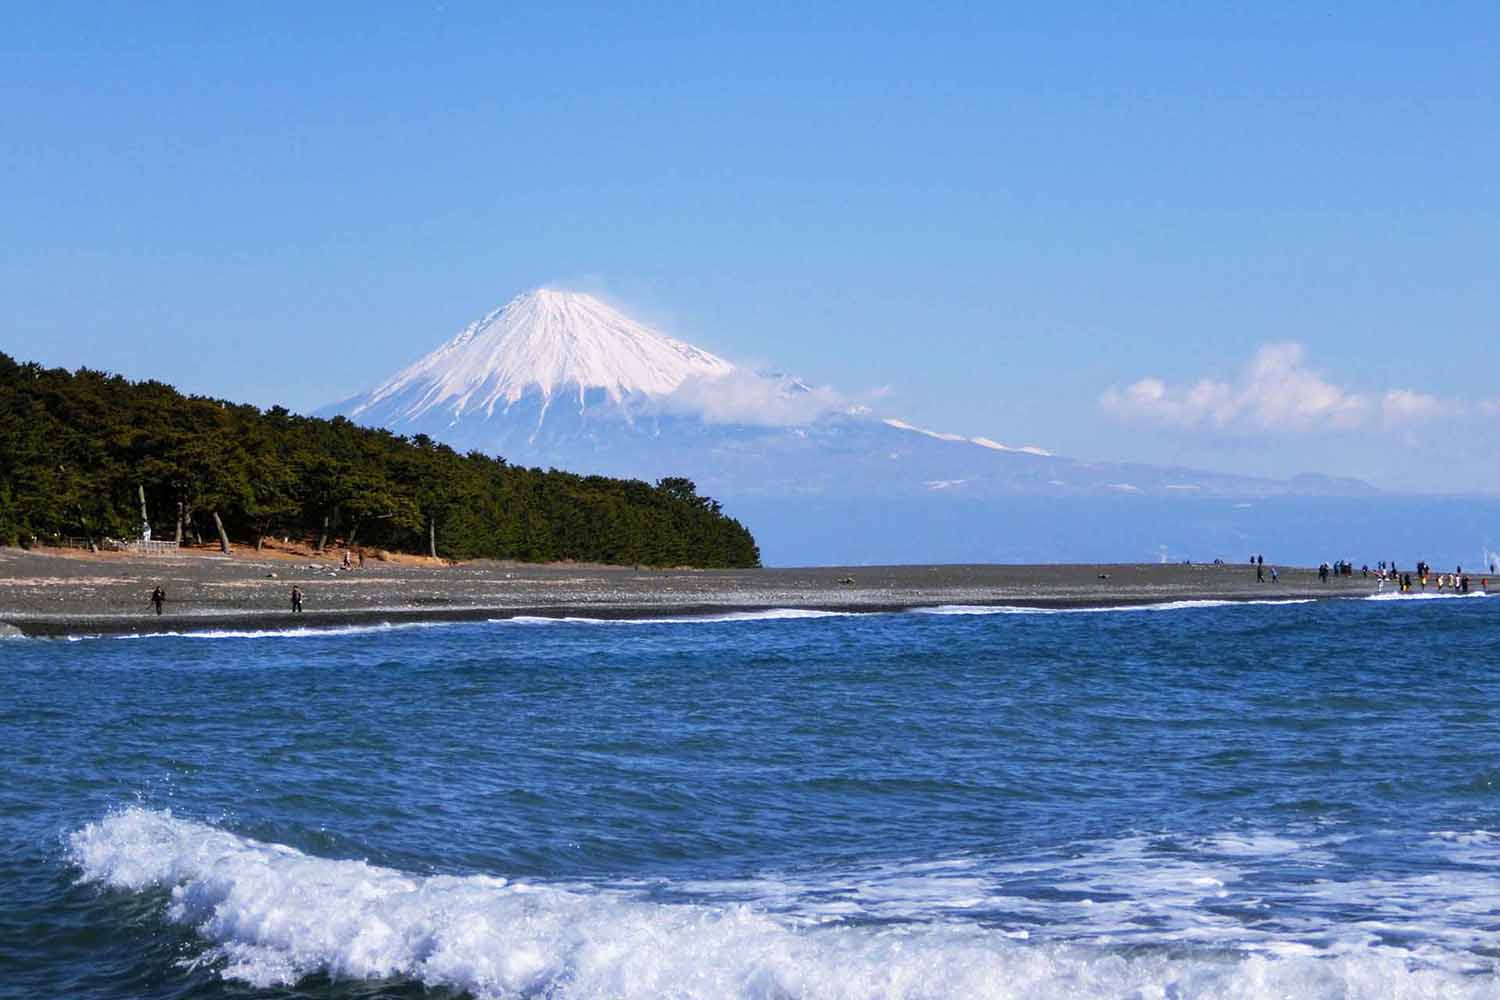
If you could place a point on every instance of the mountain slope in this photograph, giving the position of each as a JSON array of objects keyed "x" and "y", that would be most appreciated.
[{"x": 547, "y": 345}]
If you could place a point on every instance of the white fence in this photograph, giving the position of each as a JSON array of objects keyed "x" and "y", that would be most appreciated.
[{"x": 153, "y": 548}]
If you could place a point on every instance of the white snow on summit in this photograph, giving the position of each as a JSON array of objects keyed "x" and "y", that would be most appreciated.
[{"x": 547, "y": 341}]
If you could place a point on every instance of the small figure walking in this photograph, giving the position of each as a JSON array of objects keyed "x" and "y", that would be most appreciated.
[
  {"x": 158, "y": 598},
  {"x": 296, "y": 600},
  {"x": 1274, "y": 577}
]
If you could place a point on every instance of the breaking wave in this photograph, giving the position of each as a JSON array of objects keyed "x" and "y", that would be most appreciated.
[{"x": 270, "y": 915}]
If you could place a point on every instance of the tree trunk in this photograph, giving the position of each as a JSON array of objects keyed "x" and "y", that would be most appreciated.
[
  {"x": 349, "y": 541},
  {"x": 260, "y": 537},
  {"x": 223, "y": 535},
  {"x": 323, "y": 537},
  {"x": 432, "y": 537},
  {"x": 145, "y": 521},
  {"x": 179, "y": 523}
]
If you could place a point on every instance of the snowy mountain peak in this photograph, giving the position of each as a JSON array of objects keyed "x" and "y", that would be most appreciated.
[{"x": 547, "y": 341}]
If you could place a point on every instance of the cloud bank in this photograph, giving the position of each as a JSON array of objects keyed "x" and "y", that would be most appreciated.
[
  {"x": 745, "y": 397},
  {"x": 1275, "y": 392}
]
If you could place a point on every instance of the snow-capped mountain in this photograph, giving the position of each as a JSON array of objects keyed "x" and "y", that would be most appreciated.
[
  {"x": 561, "y": 379},
  {"x": 556, "y": 345}
]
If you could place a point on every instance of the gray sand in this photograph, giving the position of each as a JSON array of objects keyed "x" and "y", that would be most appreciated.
[{"x": 56, "y": 593}]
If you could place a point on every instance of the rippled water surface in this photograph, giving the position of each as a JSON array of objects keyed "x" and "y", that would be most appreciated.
[{"x": 1219, "y": 801}]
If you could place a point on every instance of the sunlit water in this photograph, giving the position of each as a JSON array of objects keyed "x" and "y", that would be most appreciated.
[{"x": 1298, "y": 800}]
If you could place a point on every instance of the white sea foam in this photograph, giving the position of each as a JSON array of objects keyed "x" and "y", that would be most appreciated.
[
  {"x": 298, "y": 632},
  {"x": 769, "y": 615},
  {"x": 271, "y": 915},
  {"x": 1011, "y": 609},
  {"x": 1425, "y": 595}
]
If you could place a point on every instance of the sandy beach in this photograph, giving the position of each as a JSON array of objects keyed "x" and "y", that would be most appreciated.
[{"x": 64, "y": 592}]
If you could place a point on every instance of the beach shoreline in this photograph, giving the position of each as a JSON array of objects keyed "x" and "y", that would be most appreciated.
[{"x": 62, "y": 592}]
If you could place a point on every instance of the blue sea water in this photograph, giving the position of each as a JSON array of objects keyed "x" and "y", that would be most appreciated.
[{"x": 1274, "y": 800}]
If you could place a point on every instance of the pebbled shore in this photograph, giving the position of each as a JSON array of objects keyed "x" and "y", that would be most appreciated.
[{"x": 49, "y": 593}]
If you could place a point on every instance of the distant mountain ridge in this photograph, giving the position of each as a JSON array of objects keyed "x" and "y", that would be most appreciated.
[{"x": 562, "y": 379}]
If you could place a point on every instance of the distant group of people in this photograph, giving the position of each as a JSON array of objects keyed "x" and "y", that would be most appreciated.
[
  {"x": 1457, "y": 581},
  {"x": 1342, "y": 567},
  {"x": 1259, "y": 562}
]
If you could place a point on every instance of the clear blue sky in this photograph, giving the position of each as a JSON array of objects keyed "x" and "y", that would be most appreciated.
[{"x": 1000, "y": 215}]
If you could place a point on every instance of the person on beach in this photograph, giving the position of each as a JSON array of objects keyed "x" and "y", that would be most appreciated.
[
  {"x": 1274, "y": 577},
  {"x": 1260, "y": 573},
  {"x": 346, "y": 559},
  {"x": 296, "y": 599},
  {"x": 158, "y": 598}
]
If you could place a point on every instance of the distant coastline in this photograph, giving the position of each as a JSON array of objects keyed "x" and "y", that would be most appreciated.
[{"x": 56, "y": 593}]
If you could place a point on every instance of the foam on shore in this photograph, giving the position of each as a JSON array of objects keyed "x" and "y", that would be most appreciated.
[
  {"x": 1011, "y": 609},
  {"x": 768, "y": 615}
]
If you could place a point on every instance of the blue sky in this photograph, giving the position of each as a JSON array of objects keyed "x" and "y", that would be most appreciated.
[{"x": 1259, "y": 239}]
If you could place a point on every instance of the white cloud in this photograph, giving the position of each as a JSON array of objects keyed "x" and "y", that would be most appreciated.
[
  {"x": 1405, "y": 406},
  {"x": 1276, "y": 391},
  {"x": 744, "y": 397}
]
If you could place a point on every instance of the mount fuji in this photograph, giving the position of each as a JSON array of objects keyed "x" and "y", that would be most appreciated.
[{"x": 562, "y": 379}]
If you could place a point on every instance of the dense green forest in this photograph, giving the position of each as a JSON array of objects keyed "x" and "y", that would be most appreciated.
[{"x": 77, "y": 450}]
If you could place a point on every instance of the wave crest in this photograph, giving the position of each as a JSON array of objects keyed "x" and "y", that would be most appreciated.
[{"x": 273, "y": 915}]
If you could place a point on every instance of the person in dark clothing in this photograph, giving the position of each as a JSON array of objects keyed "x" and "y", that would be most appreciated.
[
  {"x": 296, "y": 600},
  {"x": 1260, "y": 573},
  {"x": 158, "y": 598}
]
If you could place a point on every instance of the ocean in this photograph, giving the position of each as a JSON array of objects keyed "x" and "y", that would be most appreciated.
[{"x": 1194, "y": 800}]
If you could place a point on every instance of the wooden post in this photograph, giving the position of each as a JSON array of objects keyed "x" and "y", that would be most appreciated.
[{"x": 223, "y": 535}]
